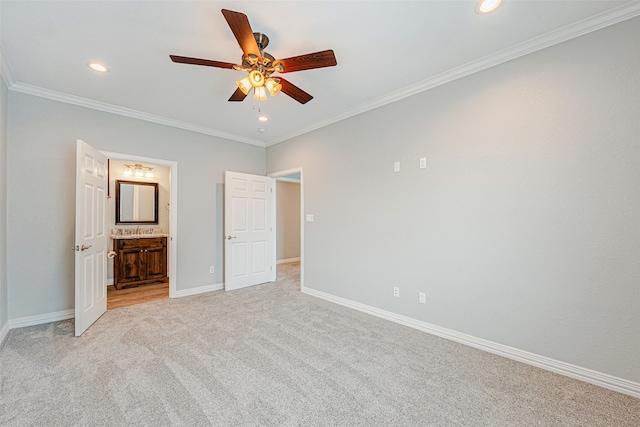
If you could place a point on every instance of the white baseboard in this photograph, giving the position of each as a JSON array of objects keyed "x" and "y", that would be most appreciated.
[
  {"x": 109, "y": 282},
  {"x": 286, "y": 260},
  {"x": 587, "y": 375},
  {"x": 21, "y": 322},
  {"x": 198, "y": 290},
  {"x": 4, "y": 334}
]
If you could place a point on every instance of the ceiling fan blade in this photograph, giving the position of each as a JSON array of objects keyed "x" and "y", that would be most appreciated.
[
  {"x": 239, "y": 24},
  {"x": 322, "y": 59},
  {"x": 198, "y": 61},
  {"x": 237, "y": 96},
  {"x": 294, "y": 91}
]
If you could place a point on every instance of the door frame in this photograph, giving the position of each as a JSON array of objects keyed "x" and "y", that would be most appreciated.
[
  {"x": 173, "y": 209},
  {"x": 275, "y": 176}
]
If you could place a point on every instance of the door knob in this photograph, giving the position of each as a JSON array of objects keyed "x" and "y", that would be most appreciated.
[
  {"x": 84, "y": 248},
  {"x": 231, "y": 237}
]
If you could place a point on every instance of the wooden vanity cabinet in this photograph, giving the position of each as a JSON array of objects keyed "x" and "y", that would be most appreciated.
[{"x": 139, "y": 262}]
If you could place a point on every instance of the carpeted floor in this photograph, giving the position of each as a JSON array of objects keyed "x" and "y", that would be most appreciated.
[{"x": 272, "y": 356}]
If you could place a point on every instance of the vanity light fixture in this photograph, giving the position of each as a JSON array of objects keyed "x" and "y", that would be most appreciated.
[
  {"x": 138, "y": 170},
  {"x": 96, "y": 66},
  {"x": 486, "y": 6}
]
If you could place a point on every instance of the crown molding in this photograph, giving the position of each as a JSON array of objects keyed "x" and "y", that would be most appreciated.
[
  {"x": 594, "y": 23},
  {"x": 128, "y": 112},
  {"x": 5, "y": 69}
]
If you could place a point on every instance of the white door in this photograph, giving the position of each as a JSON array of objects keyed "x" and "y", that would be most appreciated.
[
  {"x": 248, "y": 230},
  {"x": 91, "y": 236}
]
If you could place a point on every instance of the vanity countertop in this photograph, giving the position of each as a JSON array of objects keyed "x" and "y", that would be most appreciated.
[{"x": 137, "y": 236}]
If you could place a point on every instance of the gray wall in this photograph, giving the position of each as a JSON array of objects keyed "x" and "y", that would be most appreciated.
[
  {"x": 287, "y": 220},
  {"x": 524, "y": 227},
  {"x": 41, "y": 145},
  {"x": 3, "y": 205}
]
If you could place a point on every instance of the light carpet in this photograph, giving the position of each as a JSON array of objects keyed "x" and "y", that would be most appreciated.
[{"x": 271, "y": 356}]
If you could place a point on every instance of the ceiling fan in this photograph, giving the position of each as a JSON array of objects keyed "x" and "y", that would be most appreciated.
[{"x": 260, "y": 65}]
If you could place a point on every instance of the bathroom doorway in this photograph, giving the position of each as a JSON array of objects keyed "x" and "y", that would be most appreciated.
[{"x": 137, "y": 172}]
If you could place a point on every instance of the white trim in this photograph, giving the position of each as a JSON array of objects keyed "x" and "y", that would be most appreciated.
[
  {"x": 543, "y": 41},
  {"x": 4, "y": 334},
  {"x": 287, "y": 260},
  {"x": 199, "y": 290},
  {"x": 5, "y": 69},
  {"x": 173, "y": 209},
  {"x": 587, "y": 375},
  {"x": 283, "y": 173},
  {"x": 39, "y": 319},
  {"x": 128, "y": 112},
  {"x": 110, "y": 282},
  {"x": 287, "y": 179}
]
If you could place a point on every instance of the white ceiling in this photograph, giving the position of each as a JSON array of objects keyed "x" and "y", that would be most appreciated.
[{"x": 386, "y": 50}]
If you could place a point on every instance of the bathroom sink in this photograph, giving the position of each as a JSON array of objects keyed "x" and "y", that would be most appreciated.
[{"x": 138, "y": 236}]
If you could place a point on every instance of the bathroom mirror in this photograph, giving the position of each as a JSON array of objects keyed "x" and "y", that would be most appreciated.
[{"x": 136, "y": 202}]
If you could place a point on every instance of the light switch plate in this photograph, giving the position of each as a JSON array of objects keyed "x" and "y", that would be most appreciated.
[
  {"x": 423, "y": 163},
  {"x": 396, "y": 166},
  {"x": 309, "y": 217}
]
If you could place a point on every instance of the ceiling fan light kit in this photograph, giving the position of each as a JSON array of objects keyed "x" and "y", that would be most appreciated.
[{"x": 259, "y": 64}]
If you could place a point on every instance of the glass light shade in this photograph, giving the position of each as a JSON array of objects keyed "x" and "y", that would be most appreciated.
[
  {"x": 273, "y": 87},
  {"x": 244, "y": 85},
  {"x": 149, "y": 173},
  {"x": 278, "y": 66},
  {"x": 260, "y": 93},
  {"x": 256, "y": 78},
  {"x": 127, "y": 171},
  {"x": 139, "y": 171}
]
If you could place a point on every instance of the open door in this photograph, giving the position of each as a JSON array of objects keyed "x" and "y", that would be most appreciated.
[
  {"x": 91, "y": 236},
  {"x": 249, "y": 238}
]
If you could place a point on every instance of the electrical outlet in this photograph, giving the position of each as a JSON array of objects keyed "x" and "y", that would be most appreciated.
[
  {"x": 396, "y": 166},
  {"x": 423, "y": 162},
  {"x": 212, "y": 269},
  {"x": 422, "y": 297},
  {"x": 396, "y": 292}
]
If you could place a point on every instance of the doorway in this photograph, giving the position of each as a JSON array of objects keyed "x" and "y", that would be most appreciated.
[
  {"x": 165, "y": 177},
  {"x": 289, "y": 225}
]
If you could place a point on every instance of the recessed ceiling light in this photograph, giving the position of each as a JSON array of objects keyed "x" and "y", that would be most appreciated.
[
  {"x": 97, "y": 67},
  {"x": 486, "y": 6},
  {"x": 263, "y": 118},
  {"x": 262, "y": 130}
]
